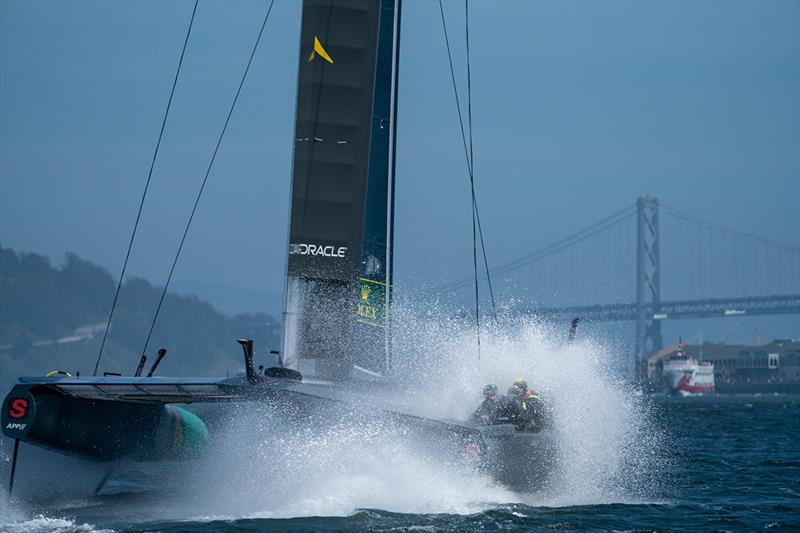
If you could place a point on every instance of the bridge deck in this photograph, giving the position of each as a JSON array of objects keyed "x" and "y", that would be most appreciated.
[{"x": 708, "y": 308}]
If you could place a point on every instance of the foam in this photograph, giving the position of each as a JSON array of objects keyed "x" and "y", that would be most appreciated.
[
  {"x": 42, "y": 524},
  {"x": 608, "y": 451},
  {"x": 263, "y": 466}
]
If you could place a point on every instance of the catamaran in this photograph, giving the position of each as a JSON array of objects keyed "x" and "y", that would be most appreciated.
[{"x": 337, "y": 342}]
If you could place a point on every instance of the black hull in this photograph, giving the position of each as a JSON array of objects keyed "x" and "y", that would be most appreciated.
[
  {"x": 114, "y": 419},
  {"x": 108, "y": 430},
  {"x": 521, "y": 461}
]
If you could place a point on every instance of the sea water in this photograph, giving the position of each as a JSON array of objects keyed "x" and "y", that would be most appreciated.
[{"x": 625, "y": 461}]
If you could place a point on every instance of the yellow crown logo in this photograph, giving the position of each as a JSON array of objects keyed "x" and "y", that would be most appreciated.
[{"x": 365, "y": 290}]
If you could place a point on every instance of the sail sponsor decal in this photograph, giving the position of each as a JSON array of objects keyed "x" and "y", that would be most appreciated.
[
  {"x": 319, "y": 50},
  {"x": 19, "y": 409},
  {"x": 317, "y": 250},
  {"x": 371, "y": 302}
]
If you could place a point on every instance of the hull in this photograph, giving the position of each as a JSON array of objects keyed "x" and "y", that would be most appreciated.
[
  {"x": 103, "y": 430},
  {"x": 520, "y": 461},
  {"x": 111, "y": 419},
  {"x": 688, "y": 377}
]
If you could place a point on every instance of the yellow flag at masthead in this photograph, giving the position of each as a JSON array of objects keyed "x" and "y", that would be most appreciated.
[{"x": 318, "y": 49}]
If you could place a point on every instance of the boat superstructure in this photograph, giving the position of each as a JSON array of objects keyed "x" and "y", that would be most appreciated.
[{"x": 685, "y": 375}]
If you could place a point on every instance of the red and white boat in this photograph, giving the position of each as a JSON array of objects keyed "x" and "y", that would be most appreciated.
[{"x": 686, "y": 376}]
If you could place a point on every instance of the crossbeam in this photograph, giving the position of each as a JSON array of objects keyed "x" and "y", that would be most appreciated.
[{"x": 679, "y": 309}]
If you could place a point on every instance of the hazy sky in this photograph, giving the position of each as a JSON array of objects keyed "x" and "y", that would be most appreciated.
[{"x": 579, "y": 107}]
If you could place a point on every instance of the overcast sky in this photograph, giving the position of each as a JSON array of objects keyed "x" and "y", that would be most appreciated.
[{"x": 579, "y": 107}]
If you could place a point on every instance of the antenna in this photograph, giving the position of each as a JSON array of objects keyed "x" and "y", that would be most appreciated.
[
  {"x": 573, "y": 329},
  {"x": 161, "y": 353},
  {"x": 249, "y": 369}
]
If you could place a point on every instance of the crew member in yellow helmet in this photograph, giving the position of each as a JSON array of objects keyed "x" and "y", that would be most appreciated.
[{"x": 530, "y": 408}]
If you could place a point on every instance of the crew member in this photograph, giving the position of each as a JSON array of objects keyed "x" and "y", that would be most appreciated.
[
  {"x": 487, "y": 411},
  {"x": 527, "y": 394},
  {"x": 530, "y": 408}
]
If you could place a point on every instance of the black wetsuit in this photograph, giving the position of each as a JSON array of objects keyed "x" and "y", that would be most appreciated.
[
  {"x": 507, "y": 410},
  {"x": 486, "y": 412},
  {"x": 527, "y": 414},
  {"x": 531, "y": 414}
]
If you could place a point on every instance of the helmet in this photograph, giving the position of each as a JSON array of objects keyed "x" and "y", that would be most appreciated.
[
  {"x": 515, "y": 391},
  {"x": 490, "y": 390},
  {"x": 522, "y": 384}
]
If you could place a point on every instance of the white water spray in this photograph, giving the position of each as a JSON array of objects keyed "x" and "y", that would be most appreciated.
[
  {"x": 609, "y": 451},
  {"x": 267, "y": 466},
  {"x": 331, "y": 466}
]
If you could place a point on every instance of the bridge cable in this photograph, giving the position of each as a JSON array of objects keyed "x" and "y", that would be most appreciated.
[
  {"x": 208, "y": 172},
  {"x": 730, "y": 231},
  {"x": 561, "y": 244},
  {"x": 570, "y": 240},
  {"x": 144, "y": 193}
]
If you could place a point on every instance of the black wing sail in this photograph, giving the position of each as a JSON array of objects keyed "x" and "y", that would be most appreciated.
[{"x": 339, "y": 262}]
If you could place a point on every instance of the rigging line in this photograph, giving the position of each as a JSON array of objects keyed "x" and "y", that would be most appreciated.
[
  {"x": 740, "y": 234},
  {"x": 471, "y": 181},
  {"x": 578, "y": 236},
  {"x": 208, "y": 173},
  {"x": 472, "y": 163},
  {"x": 144, "y": 193},
  {"x": 485, "y": 260}
]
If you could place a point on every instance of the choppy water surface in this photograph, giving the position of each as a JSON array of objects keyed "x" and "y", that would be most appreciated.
[{"x": 625, "y": 462}]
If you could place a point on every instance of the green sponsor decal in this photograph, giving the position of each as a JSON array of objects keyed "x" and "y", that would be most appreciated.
[{"x": 371, "y": 302}]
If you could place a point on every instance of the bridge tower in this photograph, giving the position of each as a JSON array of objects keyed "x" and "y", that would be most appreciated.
[{"x": 648, "y": 274}]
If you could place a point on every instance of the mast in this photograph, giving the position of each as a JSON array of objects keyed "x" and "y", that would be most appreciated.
[{"x": 340, "y": 237}]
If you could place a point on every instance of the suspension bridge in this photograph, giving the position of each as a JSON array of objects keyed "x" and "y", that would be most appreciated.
[{"x": 650, "y": 263}]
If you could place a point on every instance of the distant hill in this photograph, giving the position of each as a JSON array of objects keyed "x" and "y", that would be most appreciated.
[
  {"x": 52, "y": 318},
  {"x": 230, "y": 299}
]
